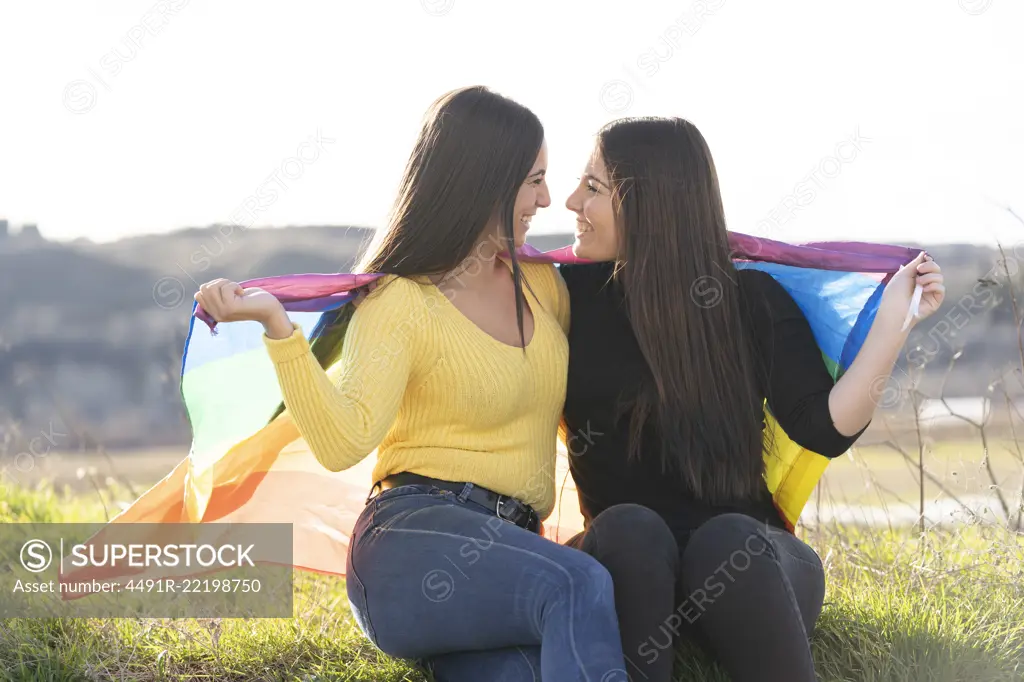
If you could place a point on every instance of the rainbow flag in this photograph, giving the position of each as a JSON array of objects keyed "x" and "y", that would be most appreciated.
[{"x": 246, "y": 465}]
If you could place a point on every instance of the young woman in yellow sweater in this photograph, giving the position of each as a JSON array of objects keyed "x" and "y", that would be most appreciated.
[{"x": 454, "y": 370}]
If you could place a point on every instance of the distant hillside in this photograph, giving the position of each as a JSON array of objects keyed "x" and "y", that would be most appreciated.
[
  {"x": 228, "y": 251},
  {"x": 91, "y": 334}
]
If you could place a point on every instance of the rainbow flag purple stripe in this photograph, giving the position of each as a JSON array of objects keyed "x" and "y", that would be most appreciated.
[
  {"x": 230, "y": 388},
  {"x": 245, "y": 466}
]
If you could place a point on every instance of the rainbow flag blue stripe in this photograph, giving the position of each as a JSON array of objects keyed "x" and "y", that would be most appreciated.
[{"x": 245, "y": 466}]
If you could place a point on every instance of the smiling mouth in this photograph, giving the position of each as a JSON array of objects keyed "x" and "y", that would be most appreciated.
[
  {"x": 524, "y": 220},
  {"x": 583, "y": 227}
]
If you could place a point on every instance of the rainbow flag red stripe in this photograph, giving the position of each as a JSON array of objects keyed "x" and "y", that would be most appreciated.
[{"x": 244, "y": 466}]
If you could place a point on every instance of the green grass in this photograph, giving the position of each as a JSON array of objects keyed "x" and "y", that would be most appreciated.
[{"x": 899, "y": 606}]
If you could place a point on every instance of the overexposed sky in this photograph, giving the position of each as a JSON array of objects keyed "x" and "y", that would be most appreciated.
[{"x": 860, "y": 119}]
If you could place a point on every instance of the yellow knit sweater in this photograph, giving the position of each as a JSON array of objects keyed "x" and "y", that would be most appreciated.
[{"x": 434, "y": 393}]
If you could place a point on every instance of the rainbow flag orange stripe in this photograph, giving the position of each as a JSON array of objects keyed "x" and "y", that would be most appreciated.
[{"x": 245, "y": 467}]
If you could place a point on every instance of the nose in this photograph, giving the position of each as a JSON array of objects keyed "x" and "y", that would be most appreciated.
[
  {"x": 573, "y": 202},
  {"x": 543, "y": 196}
]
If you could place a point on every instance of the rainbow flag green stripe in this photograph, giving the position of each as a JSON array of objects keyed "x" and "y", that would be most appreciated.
[
  {"x": 247, "y": 465},
  {"x": 230, "y": 388}
]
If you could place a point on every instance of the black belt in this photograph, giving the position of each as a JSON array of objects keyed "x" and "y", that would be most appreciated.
[{"x": 504, "y": 507}]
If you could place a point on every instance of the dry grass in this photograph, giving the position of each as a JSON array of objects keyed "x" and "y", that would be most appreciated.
[{"x": 948, "y": 605}]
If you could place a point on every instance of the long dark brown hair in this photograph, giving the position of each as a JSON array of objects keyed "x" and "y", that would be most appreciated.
[
  {"x": 683, "y": 301},
  {"x": 474, "y": 150}
]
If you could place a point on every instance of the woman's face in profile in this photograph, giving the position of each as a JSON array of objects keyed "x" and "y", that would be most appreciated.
[
  {"x": 596, "y": 235},
  {"x": 533, "y": 195}
]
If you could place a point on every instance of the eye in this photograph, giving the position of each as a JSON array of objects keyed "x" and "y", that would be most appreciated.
[
  {"x": 591, "y": 188},
  {"x": 537, "y": 182}
]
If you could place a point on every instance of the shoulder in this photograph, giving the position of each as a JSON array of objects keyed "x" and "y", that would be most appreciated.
[
  {"x": 395, "y": 294},
  {"x": 398, "y": 308},
  {"x": 761, "y": 287},
  {"x": 544, "y": 276},
  {"x": 765, "y": 298},
  {"x": 754, "y": 280},
  {"x": 394, "y": 286},
  {"x": 539, "y": 274},
  {"x": 545, "y": 280},
  {"x": 580, "y": 277}
]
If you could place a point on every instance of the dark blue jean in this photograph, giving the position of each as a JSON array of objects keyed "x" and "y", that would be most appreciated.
[{"x": 436, "y": 578}]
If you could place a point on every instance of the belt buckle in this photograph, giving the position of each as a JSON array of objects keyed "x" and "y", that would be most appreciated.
[
  {"x": 376, "y": 490},
  {"x": 498, "y": 505}
]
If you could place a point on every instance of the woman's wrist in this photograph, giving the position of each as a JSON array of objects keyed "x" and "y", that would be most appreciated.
[
  {"x": 889, "y": 320},
  {"x": 279, "y": 326},
  {"x": 891, "y": 330}
]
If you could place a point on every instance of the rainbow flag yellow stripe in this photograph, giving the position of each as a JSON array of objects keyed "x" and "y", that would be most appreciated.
[{"x": 245, "y": 465}]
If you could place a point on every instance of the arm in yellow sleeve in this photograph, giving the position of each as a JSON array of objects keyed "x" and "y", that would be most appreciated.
[{"x": 345, "y": 412}]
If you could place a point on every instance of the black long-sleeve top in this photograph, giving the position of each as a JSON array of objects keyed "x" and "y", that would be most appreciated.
[{"x": 605, "y": 363}]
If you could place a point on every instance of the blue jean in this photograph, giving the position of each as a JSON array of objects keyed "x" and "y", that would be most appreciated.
[{"x": 434, "y": 577}]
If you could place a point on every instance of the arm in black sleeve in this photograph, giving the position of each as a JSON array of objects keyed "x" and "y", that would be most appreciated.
[{"x": 792, "y": 371}]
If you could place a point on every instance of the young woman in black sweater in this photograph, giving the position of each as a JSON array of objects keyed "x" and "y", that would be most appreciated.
[{"x": 673, "y": 352}]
